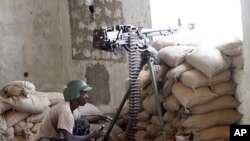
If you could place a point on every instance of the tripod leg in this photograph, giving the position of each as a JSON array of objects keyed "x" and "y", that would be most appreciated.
[
  {"x": 106, "y": 136},
  {"x": 157, "y": 99}
]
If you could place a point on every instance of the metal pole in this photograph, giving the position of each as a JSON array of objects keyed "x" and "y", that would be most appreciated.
[
  {"x": 157, "y": 99},
  {"x": 106, "y": 136}
]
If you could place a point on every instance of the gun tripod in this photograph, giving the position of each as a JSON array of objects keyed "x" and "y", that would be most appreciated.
[
  {"x": 147, "y": 58},
  {"x": 132, "y": 39}
]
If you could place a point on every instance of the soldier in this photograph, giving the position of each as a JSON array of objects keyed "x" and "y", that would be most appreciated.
[{"x": 59, "y": 124}]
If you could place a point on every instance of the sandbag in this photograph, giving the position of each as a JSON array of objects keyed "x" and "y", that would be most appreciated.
[
  {"x": 141, "y": 125},
  {"x": 3, "y": 124},
  {"x": 30, "y": 104},
  {"x": 21, "y": 127},
  {"x": 143, "y": 116},
  {"x": 107, "y": 109},
  {"x": 144, "y": 78},
  {"x": 139, "y": 135},
  {"x": 33, "y": 118},
  {"x": 13, "y": 117},
  {"x": 89, "y": 109},
  {"x": 167, "y": 87},
  {"x": 216, "y": 118},
  {"x": 212, "y": 133},
  {"x": 4, "y": 107},
  {"x": 189, "y": 97},
  {"x": 3, "y": 95},
  {"x": 19, "y": 138},
  {"x": 54, "y": 97},
  {"x": 231, "y": 47},
  {"x": 17, "y": 88},
  {"x": 36, "y": 127},
  {"x": 177, "y": 71},
  {"x": 169, "y": 138},
  {"x": 209, "y": 61},
  {"x": 220, "y": 103},
  {"x": 155, "y": 120},
  {"x": 194, "y": 78},
  {"x": 151, "y": 131},
  {"x": 224, "y": 88},
  {"x": 238, "y": 62},
  {"x": 171, "y": 103},
  {"x": 169, "y": 129},
  {"x": 149, "y": 104},
  {"x": 9, "y": 134},
  {"x": 162, "y": 42},
  {"x": 169, "y": 116},
  {"x": 174, "y": 55}
]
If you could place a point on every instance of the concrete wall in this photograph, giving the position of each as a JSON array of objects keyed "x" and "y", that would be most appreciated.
[
  {"x": 243, "y": 92},
  {"x": 36, "y": 37},
  {"x": 30, "y": 42}
]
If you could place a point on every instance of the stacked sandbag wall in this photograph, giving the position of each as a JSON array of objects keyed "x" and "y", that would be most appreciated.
[
  {"x": 196, "y": 89},
  {"x": 22, "y": 109}
]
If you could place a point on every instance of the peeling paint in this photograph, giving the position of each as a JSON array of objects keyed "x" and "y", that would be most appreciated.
[
  {"x": 98, "y": 77},
  {"x": 106, "y": 14}
]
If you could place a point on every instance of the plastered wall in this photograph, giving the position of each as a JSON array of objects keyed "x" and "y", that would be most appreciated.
[
  {"x": 36, "y": 37},
  {"x": 243, "y": 91}
]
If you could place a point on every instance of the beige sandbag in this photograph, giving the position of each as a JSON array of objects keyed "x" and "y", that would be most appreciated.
[
  {"x": 231, "y": 47},
  {"x": 171, "y": 103},
  {"x": 224, "y": 88},
  {"x": 36, "y": 127},
  {"x": 189, "y": 97},
  {"x": 209, "y": 61},
  {"x": 33, "y": 118},
  {"x": 155, "y": 120},
  {"x": 220, "y": 103},
  {"x": 16, "y": 88},
  {"x": 106, "y": 109},
  {"x": 216, "y": 118},
  {"x": 162, "y": 42},
  {"x": 167, "y": 87},
  {"x": 9, "y": 134},
  {"x": 3, "y": 95},
  {"x": 144, "y": 78},
  {"x": 174, "y": 55},
  {"x": 4, "y": 107},
  {"x": 238, "y": 62},
  {"x": 54, "y": 97},
  {"x": 143, "y": 116},
  {"x": 169, "y": 138},
  {"x": 152, "y": 131},
  {"x": 141, "y": 125},
  {"x": 89, "y": 109},
  {"x": 30, "y": 104},
  {"x": 194, "y": 78},
  {"x": 3, "y": 124},
  {"x": 22, "y": 126},
  {"x": 238, "y": 76},
  {"x": 216, "y": 132},
  {"x": 149, "y": 104},
  {"x": 139, "y": 135},
  {"x": 19, "y": 138},
  {"x": 169, "y": 129},
  {"x": 177, "y": 71},
  {"x": 13, "y": 117},
  {"x": 169, "y": 116},
  {"x": 148, "y": 90}
]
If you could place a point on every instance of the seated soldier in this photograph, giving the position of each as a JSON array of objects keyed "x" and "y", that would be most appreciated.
[{"x": 59, "y": 123}]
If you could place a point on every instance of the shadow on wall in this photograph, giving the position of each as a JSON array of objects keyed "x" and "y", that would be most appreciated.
[{"x": 98, "y": 77}]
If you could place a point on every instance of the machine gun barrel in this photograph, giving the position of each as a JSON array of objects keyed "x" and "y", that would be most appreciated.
[{"x": 157, "y": 32}]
